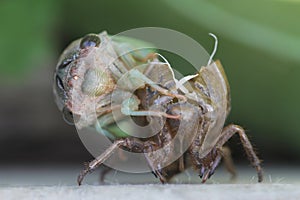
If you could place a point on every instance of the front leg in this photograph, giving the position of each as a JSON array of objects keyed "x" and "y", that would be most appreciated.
[
  {"x": 131, "y": 143},
  {"x": 100, "y": 159}
]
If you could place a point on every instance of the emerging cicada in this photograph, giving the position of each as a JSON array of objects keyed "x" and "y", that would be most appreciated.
[{"x": 93, "y": 70}]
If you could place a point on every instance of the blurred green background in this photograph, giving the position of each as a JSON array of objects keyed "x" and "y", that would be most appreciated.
[{"x": 259, "y": 46}]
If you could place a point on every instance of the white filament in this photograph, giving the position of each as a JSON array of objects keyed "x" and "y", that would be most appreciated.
[
  {"x": 215, "y": 48},
  {"x": 187, "y": 78},
  {"x": 166, "y": 61},
  {"x": 179, "y": 83}
]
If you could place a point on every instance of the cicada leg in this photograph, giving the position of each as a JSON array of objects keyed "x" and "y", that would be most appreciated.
[
  {"x": 152, "y": 113},
  {"x": 168, "y": 150},
  {"x": 146, "y": 80},
  {"x": 228, "y": 132},
  {"x": 209, "y": 164},
  {"x": 154, "y": 160},
  {"x": 130, "y": 106},
  {"x": 213, "y": 160},
  {"x": 105, "y": 169},
  {"x": 130, "y": 143},
  {"x": 167, "y": 173},
  {"x": 99, "y": 160}
]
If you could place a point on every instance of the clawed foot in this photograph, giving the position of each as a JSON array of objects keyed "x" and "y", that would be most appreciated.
[
  {"x": 207, "y": 169},
  {"x": 158, "y": 174},
  {"x": 206, "y": 173},
  {"x": 81, "y": 176},
  {"x": 83, "y": 173}
]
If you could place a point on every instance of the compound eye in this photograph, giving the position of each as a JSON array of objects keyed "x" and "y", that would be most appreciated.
[
  {"x": 68, "y": 116},
  {"x": 90, "y": 40},
  {"x": 59, "y": 83},
  {"x": 68, "y": 60}
]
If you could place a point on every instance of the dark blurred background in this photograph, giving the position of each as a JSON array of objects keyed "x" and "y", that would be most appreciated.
[{"x": 259, "y": 46}]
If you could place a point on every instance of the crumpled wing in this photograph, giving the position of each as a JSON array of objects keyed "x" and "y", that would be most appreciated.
[{"x": 217, "y": 88}]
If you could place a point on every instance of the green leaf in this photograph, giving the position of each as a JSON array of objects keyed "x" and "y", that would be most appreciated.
[
  {"x": 26, "y": 27},
  {"x": 271, "y": 26}
]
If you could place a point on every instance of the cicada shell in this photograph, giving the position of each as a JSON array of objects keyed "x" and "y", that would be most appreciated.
[
  {"x": 212, "y": 83},
  {"x": 102, "y": 80}
]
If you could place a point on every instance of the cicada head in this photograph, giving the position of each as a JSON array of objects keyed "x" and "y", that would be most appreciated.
[{"x": 82, "y": 75}]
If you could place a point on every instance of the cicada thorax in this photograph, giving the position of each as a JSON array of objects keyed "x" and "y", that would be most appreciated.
[{"x": 175, "y": 135}]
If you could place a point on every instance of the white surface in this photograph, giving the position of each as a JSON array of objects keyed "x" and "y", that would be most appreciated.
[
  {"x": 155, "y": 192},
  {"x": 46, "y": 182}
]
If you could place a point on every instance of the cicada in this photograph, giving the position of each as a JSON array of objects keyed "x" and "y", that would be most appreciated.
[{"x": 94, "y": 69}]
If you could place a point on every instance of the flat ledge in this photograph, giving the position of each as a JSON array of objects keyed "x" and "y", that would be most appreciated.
[{"x": 155, "y": 191}]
